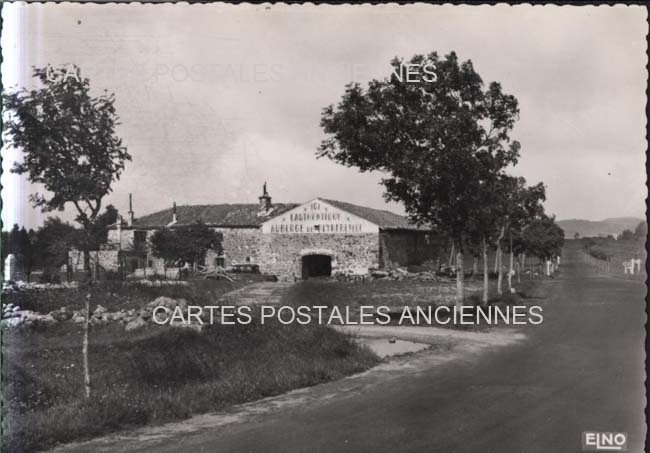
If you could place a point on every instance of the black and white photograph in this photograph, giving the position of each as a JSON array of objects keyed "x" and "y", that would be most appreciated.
[{"x": 323, "y": 227}]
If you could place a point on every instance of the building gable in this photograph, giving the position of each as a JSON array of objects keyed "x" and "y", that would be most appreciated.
[{"x": 319, "y": 216}]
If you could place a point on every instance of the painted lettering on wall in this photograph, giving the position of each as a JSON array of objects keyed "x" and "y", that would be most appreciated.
[{"x": 317, "y": 217}]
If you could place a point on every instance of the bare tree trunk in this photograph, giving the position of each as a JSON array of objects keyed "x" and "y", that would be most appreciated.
[
  {"x": 451, "y": 255},
  {"x": 499, "y": 259},
  {"x": 460, "y": 276},
  {"x": 496, "y": 263},
  {"x": 85, "y": 349},
  {"x": 87, "y": 269},
  {"x": 475, "y": 267},
  {"x": 511, "y": 266},
  {"x": 500, "y": 270},
  {"x": 485, "y": 273},
  {"x": 519, "y": 267}
]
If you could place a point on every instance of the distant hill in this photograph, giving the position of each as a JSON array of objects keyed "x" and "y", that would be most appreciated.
[{"x": 591, "y": 228}]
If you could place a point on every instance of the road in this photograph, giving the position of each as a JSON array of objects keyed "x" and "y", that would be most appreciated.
[{"x": 581, "y": 369}]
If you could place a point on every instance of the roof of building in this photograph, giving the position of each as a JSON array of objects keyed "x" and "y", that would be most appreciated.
[
  {"x": 249, "y": 215},
  {"x": 224, "y": 215},
  {"x": 384, "y": 219}
]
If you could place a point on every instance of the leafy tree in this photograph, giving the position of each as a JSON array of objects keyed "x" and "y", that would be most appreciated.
[
  {"x": 97, "y": 233},
  {"x": 70, "y": 148},
  {"x": 68, "y": 142},
  {"x": 543, "y": 238},
  {"x": 521, "y": 205},
  {"x": 434, "y": 141},
  {"x": 164, "y": 245},
  {"x": 53, "y": 241},
  {"x": 641, "y": 231},
  {"x": 188, "y": 243},
  {"x": 18, "y": 242},
  {"x": 193, "y": 241},
  {"x": 626, "y": 235},
  {"x": 4, "y": 246}
]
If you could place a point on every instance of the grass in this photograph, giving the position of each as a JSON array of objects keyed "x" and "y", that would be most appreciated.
[
  {"x": 156, "y": 375},
  {"x": 115, "y": 295},
  {"x": 616, "y": 251},
  {"x": 392, "y": 293},
  {"x": 396, "y": 294}
]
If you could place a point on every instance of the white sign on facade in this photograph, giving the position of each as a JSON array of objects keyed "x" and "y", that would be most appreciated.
[{"x": 318, "y": 216}]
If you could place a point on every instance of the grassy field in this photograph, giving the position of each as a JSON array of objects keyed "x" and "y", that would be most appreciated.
[
  {"x": 615, "y": 251},
  {"x": 396, "y": 294},
  {"x": 115, "y": 295},
  {"x": 155, "y": 374},
  {"x": 392, "y": 293}
]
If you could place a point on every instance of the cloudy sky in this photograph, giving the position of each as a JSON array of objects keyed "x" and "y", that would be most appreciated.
[{"x": 216, "y": 99}]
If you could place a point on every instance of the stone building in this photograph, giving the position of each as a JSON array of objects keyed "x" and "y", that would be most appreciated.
[{"x": 290, "y": 240}]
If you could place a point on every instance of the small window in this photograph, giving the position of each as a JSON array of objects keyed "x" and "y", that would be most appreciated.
[
  {"x": 220, "y": 261},
  {"x": 150, "y": 263},
  {"x": 248, "y": 259},
  {"x": 427, "y": 239}
]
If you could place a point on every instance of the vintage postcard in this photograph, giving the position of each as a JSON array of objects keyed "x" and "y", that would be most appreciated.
[{"x": 297, "y": 228}]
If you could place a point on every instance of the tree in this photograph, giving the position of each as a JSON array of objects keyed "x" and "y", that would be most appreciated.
[
  {"x": 18, "y": 242},
  {"x": 434, "y": 141},
  {"x": 164, "y": 245},
  {"x": 98, "y": 231},
  {"x": 626, "y": 235},
  {"x": 53, "y": 241},
  {"x": 543, "y": 238},
  {"x": 193, "y": 241},
  {"x": 188, "y": 243},
  {"x": 69, "y": 145},
  {"x": 641, "y": 231},
  {"x": 520, "y": 205}
]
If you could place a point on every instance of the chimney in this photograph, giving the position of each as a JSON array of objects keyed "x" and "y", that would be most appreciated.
[
  {"x": 174, "y": 217},
  {"x": 265, "y": 200},
  {"x": 131, "y": 216}
]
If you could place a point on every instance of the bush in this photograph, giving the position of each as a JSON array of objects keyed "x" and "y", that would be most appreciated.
[
  {"x": 50, "y": 276},
  {"x": 598, "y": 253},
  {"x": 113, "y": 276}
]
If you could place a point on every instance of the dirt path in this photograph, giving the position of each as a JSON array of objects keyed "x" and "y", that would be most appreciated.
[{"x": 268, "y": 293}]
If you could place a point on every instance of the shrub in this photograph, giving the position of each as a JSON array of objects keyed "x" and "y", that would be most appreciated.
[
  {"x": 113, "y": 276},
  {"x": 598, "y": 253},
  {"x": 49, "y": 275}
]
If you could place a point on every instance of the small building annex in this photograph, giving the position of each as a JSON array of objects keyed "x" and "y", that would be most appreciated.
[{"x": 290, "y": 240}]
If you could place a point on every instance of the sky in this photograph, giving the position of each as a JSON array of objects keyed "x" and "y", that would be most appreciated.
[{"x": 214, "y": 99}]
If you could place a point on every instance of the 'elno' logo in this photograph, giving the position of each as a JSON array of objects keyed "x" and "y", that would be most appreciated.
[{"x": 604, "y": 441}]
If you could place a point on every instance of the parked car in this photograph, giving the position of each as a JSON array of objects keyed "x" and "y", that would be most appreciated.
[{"x": 244, "y": 269}]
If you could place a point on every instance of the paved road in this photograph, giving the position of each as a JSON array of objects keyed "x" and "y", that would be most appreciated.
[{"x": 581, "y": 369}]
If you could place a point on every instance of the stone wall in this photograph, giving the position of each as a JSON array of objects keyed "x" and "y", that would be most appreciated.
[
  {"x": 281, "y": 254},
  {"x": 402, "y": 247},
  {"x": 240, "y": 245},
  {"x": 123, "y": 237},
  {"x": 107, "y": 260}
]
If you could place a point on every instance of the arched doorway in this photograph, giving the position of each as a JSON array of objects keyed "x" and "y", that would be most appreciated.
[{"x": 316, "y": 265}]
